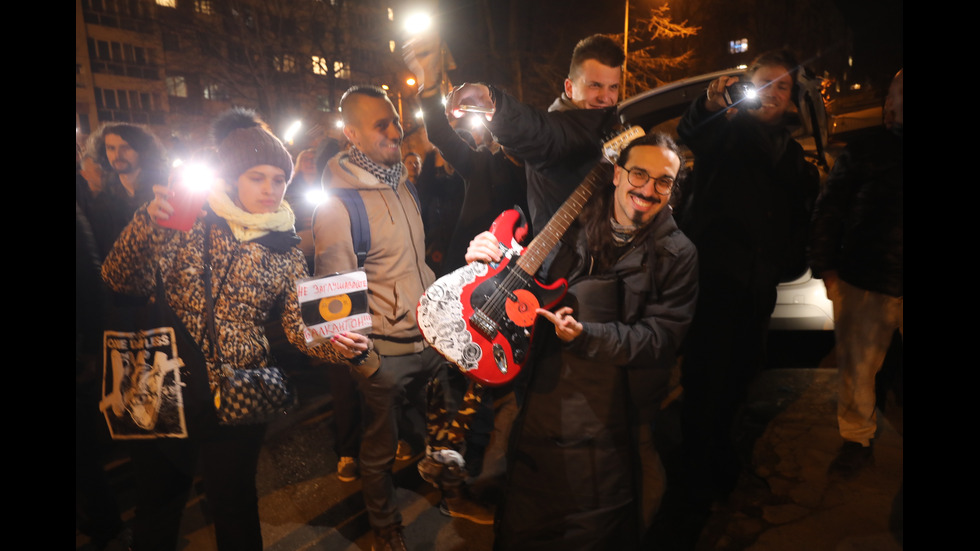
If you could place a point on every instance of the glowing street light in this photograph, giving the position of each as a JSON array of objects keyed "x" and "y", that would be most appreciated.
[
  {"x": 291, "y": 131},
  {"x": 418, "y": 23}
]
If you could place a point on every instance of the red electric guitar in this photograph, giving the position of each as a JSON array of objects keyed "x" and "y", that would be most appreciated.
[{"x": 481, "y": 316}]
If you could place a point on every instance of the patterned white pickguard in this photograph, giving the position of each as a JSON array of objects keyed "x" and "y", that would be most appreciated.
[{"x": 441, "y": 320}]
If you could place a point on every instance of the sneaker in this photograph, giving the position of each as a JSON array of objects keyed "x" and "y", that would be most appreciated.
[
  {"x": 404, "y": 451},
  {"x": 461, "y": 507},
  {"x": 851, "y": 459},
  {"x": 347, "y": 469},
  {"x": 389, "y": 538}
]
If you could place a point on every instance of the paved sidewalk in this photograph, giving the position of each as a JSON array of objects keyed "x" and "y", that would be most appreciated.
[{"x": 786, "y": 501}]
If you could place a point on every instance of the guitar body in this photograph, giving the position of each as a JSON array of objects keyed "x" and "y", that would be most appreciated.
[{"x": 481, "y": 317}]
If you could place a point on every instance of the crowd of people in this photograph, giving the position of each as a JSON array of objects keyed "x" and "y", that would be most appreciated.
[{"x": 662, "y": 271}]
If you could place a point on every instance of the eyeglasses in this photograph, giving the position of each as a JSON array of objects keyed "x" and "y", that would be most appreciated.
[{"x": 637, "y": 177}]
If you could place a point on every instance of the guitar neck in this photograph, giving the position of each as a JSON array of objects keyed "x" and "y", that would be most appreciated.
[{"x": 546, "y": 240}]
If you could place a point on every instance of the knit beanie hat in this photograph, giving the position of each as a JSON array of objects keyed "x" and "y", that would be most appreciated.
[{"x": 243, "y": 140}]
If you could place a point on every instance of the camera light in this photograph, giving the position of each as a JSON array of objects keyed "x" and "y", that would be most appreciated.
[
  {"x": 197, "y": 176},
  {"x": 315, "y": 196}
]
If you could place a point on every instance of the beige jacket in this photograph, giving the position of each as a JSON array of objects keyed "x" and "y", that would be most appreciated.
[{"x": 396, "y": 270}]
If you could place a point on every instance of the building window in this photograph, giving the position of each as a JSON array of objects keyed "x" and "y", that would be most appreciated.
[
  {"x": 244, "y": 14},
  {"x": 323, "y": 103},
  {"x": 177, "y": 86},
  {"x": 738, "y": 46},
  {"x": 391, "y": 46},
  {"x": 102, "y": 50},
  {"x": 391, "y": 14},
  {"x": 205, "y": 7},
  {"x": 215, "y": 92},
  {"x": 285, "y": 63},
  {"x": 236, "y": 53},
  {"x": 208, "y": 46},
  {"x": 341, "y": 70},
  {"x": 171, "y": 42},
  {"x": 167, "y": 3},
  {"x": 321, "y": 66}
]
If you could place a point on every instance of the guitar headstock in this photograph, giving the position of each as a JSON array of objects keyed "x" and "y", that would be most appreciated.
[{"x": 614, "y": 146}]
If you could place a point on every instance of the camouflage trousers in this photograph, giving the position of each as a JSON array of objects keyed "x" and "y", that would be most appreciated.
[{"x": 448, "y": 417}]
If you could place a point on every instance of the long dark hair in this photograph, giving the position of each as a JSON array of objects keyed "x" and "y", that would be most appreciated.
[{"x": 599, "y": 210}]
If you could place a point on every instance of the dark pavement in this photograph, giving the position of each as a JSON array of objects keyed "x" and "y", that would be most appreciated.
[{"x": 784, "y": 501}]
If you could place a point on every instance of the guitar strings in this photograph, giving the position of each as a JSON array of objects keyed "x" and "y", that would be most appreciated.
[{"x": 495, "y": 306}]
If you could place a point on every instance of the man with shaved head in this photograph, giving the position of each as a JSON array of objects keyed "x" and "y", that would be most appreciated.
[{"x": 392, "y": 363}]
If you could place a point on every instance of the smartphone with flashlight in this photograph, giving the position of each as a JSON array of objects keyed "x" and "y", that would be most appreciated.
[
  {"x": 744, "y": 94},
  {"x": 188, "y": 191}
]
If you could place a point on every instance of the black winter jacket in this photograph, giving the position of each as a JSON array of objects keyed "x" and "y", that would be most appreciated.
[
  {"x": 559, "y": 148},
  {"x": 857, "y": 223},
  {"x": 493, "y": 183},
  {"x": 748, "y": 205}
]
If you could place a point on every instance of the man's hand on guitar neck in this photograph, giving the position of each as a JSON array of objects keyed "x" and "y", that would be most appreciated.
[
  {"x": 566, "y": 327},
  {"x": 484, "y": 248}
]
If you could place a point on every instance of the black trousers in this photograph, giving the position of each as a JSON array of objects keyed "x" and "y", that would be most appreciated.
[
  {"x": 724, "y": 351},
  {"x": 165, "y": 470}
]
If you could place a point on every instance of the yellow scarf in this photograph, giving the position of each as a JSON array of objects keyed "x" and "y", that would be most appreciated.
[{"x": 245, "y": 225}]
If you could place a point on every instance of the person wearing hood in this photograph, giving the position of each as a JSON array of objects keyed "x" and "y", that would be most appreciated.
[{"x": 248, "y": 231}]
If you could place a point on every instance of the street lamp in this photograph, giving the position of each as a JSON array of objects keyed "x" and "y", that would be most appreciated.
[
  {"x": 291, "y": 131},
  {"x": 626, "y": 47},
  {"x": 418, "y": 23}
]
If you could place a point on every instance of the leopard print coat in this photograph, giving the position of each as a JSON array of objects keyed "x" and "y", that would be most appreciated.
[{"x": 251, "y": 283}]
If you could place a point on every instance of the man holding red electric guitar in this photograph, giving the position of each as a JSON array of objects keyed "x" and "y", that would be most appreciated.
[{"x": 599, "y": 365}]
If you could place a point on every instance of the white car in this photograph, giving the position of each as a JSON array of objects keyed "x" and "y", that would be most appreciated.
[{"x": 801, "y": 304}]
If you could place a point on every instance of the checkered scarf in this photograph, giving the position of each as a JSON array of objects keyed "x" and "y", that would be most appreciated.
[{"x": 391, "y": 176}]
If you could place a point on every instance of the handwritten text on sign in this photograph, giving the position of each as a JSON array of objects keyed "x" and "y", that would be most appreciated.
[{"x": 333, "y": 304}]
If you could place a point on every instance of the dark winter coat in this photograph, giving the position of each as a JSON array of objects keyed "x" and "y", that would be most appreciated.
[
  {"x": 748, "y": 205},
  {"x": 558, "y": 148},
  {"x": 574, "y": 472},
  {"x": 858, "y": 221},
  {"x": 492, "y": 182}
]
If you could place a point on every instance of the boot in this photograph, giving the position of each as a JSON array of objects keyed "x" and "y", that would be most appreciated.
[
  {"x": 389, "y": 538},
  {"x": 445, "y": 469}
]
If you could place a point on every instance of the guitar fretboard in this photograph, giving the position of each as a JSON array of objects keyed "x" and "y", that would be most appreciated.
[{"x": 546, "y": 240}]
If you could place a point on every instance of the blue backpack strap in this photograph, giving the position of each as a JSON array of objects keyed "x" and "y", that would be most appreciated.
[
  {"x": 415, "y": 193},
  {"x": 360, "y": 231}
]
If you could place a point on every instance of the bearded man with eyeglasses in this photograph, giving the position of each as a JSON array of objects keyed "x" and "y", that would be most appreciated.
[{"x": 584, "y": 473}]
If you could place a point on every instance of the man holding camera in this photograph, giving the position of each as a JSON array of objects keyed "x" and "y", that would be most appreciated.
[{"x": 747, "y": 212}]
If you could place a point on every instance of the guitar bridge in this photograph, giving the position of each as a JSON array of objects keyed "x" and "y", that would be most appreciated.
[{"x": 482, "y": 323}]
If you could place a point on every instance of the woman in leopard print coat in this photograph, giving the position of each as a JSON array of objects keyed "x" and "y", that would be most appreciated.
[{"x": 255, "y": 263}]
